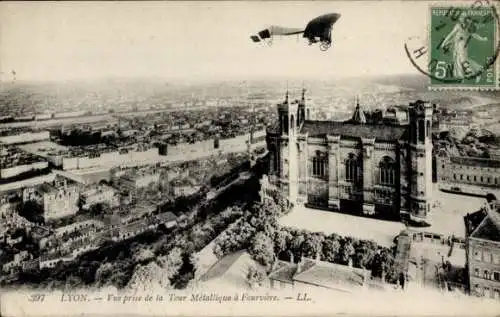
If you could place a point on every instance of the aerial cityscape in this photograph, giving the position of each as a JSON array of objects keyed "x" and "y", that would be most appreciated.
[{"x": 345, "y": 184}]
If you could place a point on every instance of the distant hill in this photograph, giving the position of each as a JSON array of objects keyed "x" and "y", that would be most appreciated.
[{"x": 337, "y": 94}]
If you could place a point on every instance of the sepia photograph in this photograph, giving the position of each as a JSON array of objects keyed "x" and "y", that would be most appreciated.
[{"x": 250, "y": 158}]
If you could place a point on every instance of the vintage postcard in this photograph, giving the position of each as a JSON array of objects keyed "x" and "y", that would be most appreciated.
[{"x": 233, "y": 158}]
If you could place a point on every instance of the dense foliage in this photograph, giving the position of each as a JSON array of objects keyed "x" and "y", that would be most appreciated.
[{"x": 259, "y": 233}]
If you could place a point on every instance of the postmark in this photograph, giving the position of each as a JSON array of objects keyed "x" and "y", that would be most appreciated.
[{"x": 461, "y": 48}]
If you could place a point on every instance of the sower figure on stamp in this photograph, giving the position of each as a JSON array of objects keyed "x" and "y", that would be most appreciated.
[{"x": 458, "y": 39}]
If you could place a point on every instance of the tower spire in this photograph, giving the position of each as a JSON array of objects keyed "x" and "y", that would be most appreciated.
[
  {"x": 359, "y": 115},
  {"x": 286, "y": 95},
  {"x": 303, "y": 92}
]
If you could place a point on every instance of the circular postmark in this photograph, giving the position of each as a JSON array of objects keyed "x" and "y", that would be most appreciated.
[{"x": 461, "y": 47}]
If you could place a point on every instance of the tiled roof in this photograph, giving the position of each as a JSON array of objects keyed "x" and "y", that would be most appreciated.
[
  {"x": 46, "y": 188},
  {"x": 474, "y": 219},
  {"x": 487, "y": 230},
  {"x": 475, "y": 161},
  {"x": 284, "y": 272},
  {"x": 330, "y": 275},
  {"x": 349, "y": 130},
  {"x": 224, "y": 265},
  {"x": 166, "y": 217}
]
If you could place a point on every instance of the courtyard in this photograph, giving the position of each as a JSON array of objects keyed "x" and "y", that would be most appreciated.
[
  {"x": 446, "y": 218},
  {"x": 381, "y": 231},
  {"x": 448, "y": 211}
]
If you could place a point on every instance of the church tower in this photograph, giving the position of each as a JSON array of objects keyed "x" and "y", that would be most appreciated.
[
  {"x": 289, "y": 117},
  {"x": 302, "y": 111},
  {"x": 358, "y": 115},
  {"x": 420, "y": 145}
]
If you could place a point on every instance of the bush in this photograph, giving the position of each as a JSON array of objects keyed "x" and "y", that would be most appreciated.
[
  {"x": 260, "y": 218},
  {"x": 255, "y": 276},
  {"x": 262, "y": 249}
]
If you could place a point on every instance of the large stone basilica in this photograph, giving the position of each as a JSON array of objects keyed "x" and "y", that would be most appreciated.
[{"x": 355, "y": 166}]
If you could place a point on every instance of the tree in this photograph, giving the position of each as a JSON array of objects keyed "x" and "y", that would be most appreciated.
[
  {"x": 297, "y": 241},
  {"x": 264, "y": 217},
  {"x": 235, "y": 238},
  {"x": 387, "y": 262},
  {"x": 346, "y": 251},
  {"x": 103, "y": 274},
  {"x": 282, "y": 239},
  {"x": 149, "y": 277},
  {"x": 32, "y": 211},
  {"x": 376, "y": 267},
  {"x": 312, "y": 245},
  {"x": 73, "y": 282},
  {"x": 255, "y": 277},
  {"x": 198, "y": 236},
  {"x": 262, "y": 249},
  {"x": 141, "y": 254},
  {"x": 331, "y": 248},
  {"x": 98, "y": 209},
  {"x": 172, "y": 262},
  {"x": 364, "y": 253}
]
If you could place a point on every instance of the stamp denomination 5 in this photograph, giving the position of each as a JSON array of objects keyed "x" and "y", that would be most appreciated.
[{"x": 461, "y": 49}]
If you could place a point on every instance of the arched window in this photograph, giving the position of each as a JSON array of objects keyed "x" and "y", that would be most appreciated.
[
  {"x": 292, "y": 122},
  {"x": 387, "y": 171},
  {"x": 351, "y": 168},
  {"x": 272, "y": 162},
  {"x": 319, "y": 164},
  {"x": 421, "y": 130},
  {"x": 428, "y": 128},
  {"x": 285, "y": 124},
  {"x": 273, "y": 159}
]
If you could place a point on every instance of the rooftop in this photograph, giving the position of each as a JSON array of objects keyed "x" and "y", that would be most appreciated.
[
  {"x": 44, "y": 148},
  {"x": 11, "y": 156},
  {"x": 330, "y": 275},
  {"x": 94, "y": 189},
  {"x": 186, "y": 181},
  {"x": 135, "y": 173},
  {"x": 230, "y": 271},
  {"x": 284, "y": 271},
  {"x": 485, "y": 224},
  {"x": 350, "y": 130},
  {"x": 166, "y": 217},
  {"x": 56, "y": 184},
  {"x": 475, "y": 161},
  {"x": 319, "y": 273}
]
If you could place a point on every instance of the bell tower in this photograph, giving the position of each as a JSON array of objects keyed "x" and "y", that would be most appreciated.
[
  {"x": 301, "y": 115},
  {"x": 288, "y": 120},
  {"x": 420, "y": 146}
]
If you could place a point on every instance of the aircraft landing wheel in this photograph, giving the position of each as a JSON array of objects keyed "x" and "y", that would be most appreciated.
[{"x": 324, "y": 46}]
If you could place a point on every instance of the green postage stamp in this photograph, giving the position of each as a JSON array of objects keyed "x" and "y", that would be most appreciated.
[{"x": 463, "y": 45}]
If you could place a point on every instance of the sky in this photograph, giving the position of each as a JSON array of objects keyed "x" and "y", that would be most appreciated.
[{"x": 202, "y": 40}]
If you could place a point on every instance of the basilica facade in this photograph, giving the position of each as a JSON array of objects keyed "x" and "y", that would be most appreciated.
[{"x": 354, "y": 166}]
